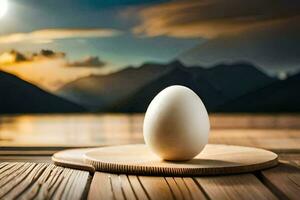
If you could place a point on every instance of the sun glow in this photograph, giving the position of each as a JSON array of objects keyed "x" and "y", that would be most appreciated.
[
  {"x": 3, "y": 7},
  {"x": 7, "y": 58}
]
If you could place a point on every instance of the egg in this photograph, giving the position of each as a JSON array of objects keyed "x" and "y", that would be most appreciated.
[{"x": 176, "y": 124}]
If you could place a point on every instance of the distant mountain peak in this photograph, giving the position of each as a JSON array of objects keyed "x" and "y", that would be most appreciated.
[
  {"x": 20, "y": 96},
  {"x": 176, "y": 63},
  {"x": 129, "y": 86},
  {"x": 239, "y": 64}
]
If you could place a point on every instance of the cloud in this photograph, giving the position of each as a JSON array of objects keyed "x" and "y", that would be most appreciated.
[
  {"x": 213, "y": 18},
  {"x": 47, "y": 53},
  {"x": 47, "y": 68},
  {"x": 91, "y": 61},
  {"x": 48, "y": 35},
  {"x": 14, "y": 56},
  {"x": 49, "y": 74},
  {"x": 274, "y": 50}
]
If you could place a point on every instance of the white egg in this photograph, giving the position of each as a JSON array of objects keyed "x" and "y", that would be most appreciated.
[{"x": 176, "y": 124}]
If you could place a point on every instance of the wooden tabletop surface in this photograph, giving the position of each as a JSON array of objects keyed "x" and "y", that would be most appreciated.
[{"x": 27, "y": 173}]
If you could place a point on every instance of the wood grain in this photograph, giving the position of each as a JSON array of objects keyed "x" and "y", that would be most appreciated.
[
  {"x": 156, "y": 187},
  {"x": 138, "y": 189},
  {"x": 213, "y": 160},
  {"x": 41, "y": 181},
  {"x": 245, "y": 186},
  {"x": 174, "y": 188},
  {"x": 195, "y": 191},
  {"x": 127, "y": 187},
  {"x": 101, "y": 187},
  {"x": 112, "y": 186},
  {"x": 73, "y": 158},
  {"x": 26, "y": 158},
  {"x": 283, "y": 180},
  {"x": 46, "y": 181},
  {"x": 184, "y": 188}
]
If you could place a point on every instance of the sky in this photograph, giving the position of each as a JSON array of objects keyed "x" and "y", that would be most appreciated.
[{"x": 86, "y": 37}]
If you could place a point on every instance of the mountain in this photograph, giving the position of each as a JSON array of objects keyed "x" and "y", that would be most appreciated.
[
  {"x": 177, "y": 75},
  {"x": 214, "y": 85},
  {"x": 131, "y": 89},
  {"x": 235, "y": 79},
  {"x": 98, "y": 92},
  {"x": 280, "y": 96},
  {"x": 18, "y": 96}
]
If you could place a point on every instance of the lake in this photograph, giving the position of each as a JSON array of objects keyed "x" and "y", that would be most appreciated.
[{"x": 80, "y": 130}]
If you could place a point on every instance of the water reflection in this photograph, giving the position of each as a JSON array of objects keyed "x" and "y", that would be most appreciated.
[
  {"x": 95, "y": 130},
  {"x": 70, "y": 130}
]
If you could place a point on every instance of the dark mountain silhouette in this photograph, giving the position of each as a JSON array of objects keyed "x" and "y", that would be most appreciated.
[
  {"x": 99, "y": 92},
  {"x": 177, "y": 75},
  {"x": 236, "y": 79},
  {"x": 280, "y": 96},
  {"x": 18, "y": 96},
  {"x": 214, "y": 85},
  {"x": 131, "y": 89}
]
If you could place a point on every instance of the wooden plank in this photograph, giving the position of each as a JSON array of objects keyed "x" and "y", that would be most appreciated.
[
  {"x": 18, "y": 189},
  {"x": 116, "y": 187},
  {"x": 244, "y": 186},
  {"x": 5, "y": 169},
  {"x": 40, "y": 187},
  {"x": 127, "y": 188},
  {"x": 174, "y": 188},
  {"x": 183, "y": 188},
  {"x": 156, "y": 187},
  {"x": 35, "y": 159},
  {"x": 12, "y": 181},
  {"x": 112, "y": 186},
  {"x": 283, "y": 180},
  {"x": 195, "y": 191},
  {"x": 138, "y": 189},
  {"x": 101, "y": 187},
  {"x": 41, "y": 181},
  {"x": 292, "y": 159},
  {"x": 82, "y": 177}
]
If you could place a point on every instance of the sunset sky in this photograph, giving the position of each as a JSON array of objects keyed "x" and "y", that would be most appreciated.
[{"x": 89, "y": 36}]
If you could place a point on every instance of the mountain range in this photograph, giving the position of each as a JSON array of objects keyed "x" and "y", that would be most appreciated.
[
  {"x": 19, "y": 96},
  {"x": 99, "y": 92},
  {"x": 222, "y": 87},
  {"x": 237, "y": 87},
  {"x": 280, "y": 96}
]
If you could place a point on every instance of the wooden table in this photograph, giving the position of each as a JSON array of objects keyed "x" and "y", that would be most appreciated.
[{"x": 27, "y": 172}]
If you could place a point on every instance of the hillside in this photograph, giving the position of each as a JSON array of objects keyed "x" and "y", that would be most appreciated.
[
  {"x": 236, "y": 79},
  {"x": 19, "y": 96},
  {"x": 280, "y": 96},
  {"x": 131, "y": 89},
  {"x": 178, "y": 75},
  {"x": 98, "y": 92}
]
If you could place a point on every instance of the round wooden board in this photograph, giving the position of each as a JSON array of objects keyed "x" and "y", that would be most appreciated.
[
  {"x": 73, "y": 158},
  {"x": 213, "y": 160}
]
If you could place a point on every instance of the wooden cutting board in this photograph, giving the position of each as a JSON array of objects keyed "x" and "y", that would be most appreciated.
[
  {"x": 73, "y": 158},
  {"x": 138, "y": 159}
]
